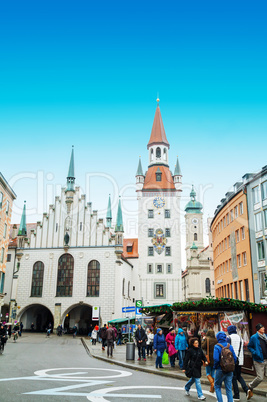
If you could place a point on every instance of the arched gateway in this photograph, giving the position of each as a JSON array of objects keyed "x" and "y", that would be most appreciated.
[
  {"x": 37, "y": 314},
  {"x": 78, "y": 314}
]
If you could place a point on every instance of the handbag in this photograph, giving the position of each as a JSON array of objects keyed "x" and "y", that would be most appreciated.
[
  {"x": 189, "y": 370},
  {"x": 208, "y": 350},
  {"x": 165, "y": 358}
]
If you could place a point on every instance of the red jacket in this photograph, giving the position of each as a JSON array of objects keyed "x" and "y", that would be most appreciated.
[{"x": 170, "y": 338}]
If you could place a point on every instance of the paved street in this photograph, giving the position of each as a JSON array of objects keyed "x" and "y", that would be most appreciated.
[{"x": 59, "y": 369}]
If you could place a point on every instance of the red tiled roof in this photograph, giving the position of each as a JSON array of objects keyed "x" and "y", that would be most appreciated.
[
  {"x": 13, "y": 242},
  {"x": 166, "y": 182},
  {"x": 134, "y": 252},
  {"x": 204, "y": 249},
  {"x": 158, "y": 135}
]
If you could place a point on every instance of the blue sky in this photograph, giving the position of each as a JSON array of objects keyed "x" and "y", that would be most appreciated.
[{"x": 87, "y": 74}]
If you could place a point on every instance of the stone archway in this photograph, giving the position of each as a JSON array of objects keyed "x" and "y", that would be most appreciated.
[
  {"x": 79, "y": 315},
  {"x": 37, "y": 314}
]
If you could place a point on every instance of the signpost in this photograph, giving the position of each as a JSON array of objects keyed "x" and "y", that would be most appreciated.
[
  {"x": 125, "y": 310},
  {"x": 138, "y": 305}
]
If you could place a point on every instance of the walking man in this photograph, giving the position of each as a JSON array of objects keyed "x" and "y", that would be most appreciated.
[
  {"x": 237, "y": 342},
  {"x": 110, "y": 340},
  {"x": 258, "y": 347},
  {"x": 141, "y": 338},
  {"x": 103, "y": 336}
]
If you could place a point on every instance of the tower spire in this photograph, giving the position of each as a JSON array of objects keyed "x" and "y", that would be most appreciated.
[
  {"x": 158, "y": 135},
  {"x": 23, "y": 228},
  {"x": 109, "y": 213},
  {"x": 71, "y": 177},
  {"x": 139, "y": 171},
  {"x": 177, "y": 170},
  {"x": 119, "y": 222}
]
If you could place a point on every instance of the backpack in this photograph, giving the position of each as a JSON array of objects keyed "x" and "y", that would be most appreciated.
[{"x": 227, "y": 361}]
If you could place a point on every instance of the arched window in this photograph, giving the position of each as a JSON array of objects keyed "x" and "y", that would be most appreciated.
[
  {"x": 165, "y": 154},
  {"x": 158, "y": 152},
  {"x": 93, "y": 279},
  {"x": 151, "y": 155},
  {"x": 129, "y": 289},
  {"x": 207, "y": 285},
  {"x": 65, "y": 275},
  {"x": 195, "y": 236},
  {"x": 123, "y": 287},
  {"x": 37, "y": 279}
]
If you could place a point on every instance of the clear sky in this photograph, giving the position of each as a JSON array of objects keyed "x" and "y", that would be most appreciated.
[{"x": 87, "y": 74}]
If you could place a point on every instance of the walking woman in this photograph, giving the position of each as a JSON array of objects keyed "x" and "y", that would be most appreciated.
[
  {"x": 192, "y": 367},
  {"x": 170, "y": 339},
  {"x": 207, "y": 345},
  {"x": 159, "y": 347}
]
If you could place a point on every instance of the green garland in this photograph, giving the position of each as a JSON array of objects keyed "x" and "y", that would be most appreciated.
[{"x": 208, "y": 304}]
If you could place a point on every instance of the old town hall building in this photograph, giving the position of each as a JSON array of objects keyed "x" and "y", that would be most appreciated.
[{"x": 73, "y": 265}]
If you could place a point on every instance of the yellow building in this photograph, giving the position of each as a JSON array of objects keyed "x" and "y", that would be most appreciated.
[
  {"x": 231, "y": 247},
  {"x": 7, "y": 197}
]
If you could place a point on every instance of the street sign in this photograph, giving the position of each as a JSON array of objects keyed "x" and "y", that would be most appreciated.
[
  {"x": 138, "y": 303},
  {"x": 138, "y": 311},
  {"x": 128, "y": 309}
]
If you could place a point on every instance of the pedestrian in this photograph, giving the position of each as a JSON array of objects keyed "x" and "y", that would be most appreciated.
[
  {"x": 184, "y": 328},
  {"x": 237, "y": 342},
  {"x": 149, "y": 342},
  {"x": 103, "y": 336},
  {"x": 181, "y": 345},
  {"x": 224, "y": 363},
  {"x": 141, "y": 338},
  {"x": 119, "y": 337},
  {"x": 208, "y": 343},
  {"x": 170, "y": 340},
  {"x": 32, "y": 326},
  {"x": 21, "y": 327},
  {"x": 94, "y": 336},
  {"x": 258, "y": 347},
  {"x": 115, "y": 334},
  {"x": 159, "y": 347},
  {"x": 110, "y": 340},
  {"x": 193, "y": 361},
  {"x": 90, "y": 329}
]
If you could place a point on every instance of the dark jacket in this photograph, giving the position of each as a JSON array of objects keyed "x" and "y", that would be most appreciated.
[
  {"x": 212, "y": 342},
  {"x": 103, "y": 333},
  {"x": 159, "y": 342},
  {"x": 221, "y": 338},
  {"x": 254, "y": 347},
  {"x": 194, "y": 357},
  {"x": 140, "y": 335},
  {"x": 110, "y": 335}
]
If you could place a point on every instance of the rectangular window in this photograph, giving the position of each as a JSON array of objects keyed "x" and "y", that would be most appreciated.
[
  {"x": 232, "y": 291},
  {"x": 244, "y": 255},
  {"x": 231, "y": 215},
  {"x": 243, "y": 233},
  {"x": 56, "y": 227},
  {"x": 224, "y": 221},
  {"x": 247, "y": 290},
  {"x": 150, "y": 251},
  {"x": 149, "y": 268},
  {"x": 168, "y": 251},
  {"x": 225, "y": 243},
  {"x": 81, "y": 226},
  {"x": 241, "y": 209},
  {"x": 258, "y": 222},
  {"x": 264, "y": 190},
  {"x": 158, "y": 176},
  {"x": 159, "y": 269},
  {"x": 159, "y": 290},
  {"x": 241, "y": 290},
  {"x": 230, "y": 264},
  {"x": 261, "y": 253},
  {"x": 168, "y": 232},
  {"x": 1, "y": 200},
  {"x": 236, "y": 212},
  {"x": 237, "y": 235},
  {"x": 5, "y": 229},
  {"x": 8, "y": 258},
  {"x": 2, "y": 282},
  {"x": 151, "y": 213},
  {"x": 236, "y": 291},
  {"x": 262, "y": 284},
  {"x": 167, "y": 213},
  {"x": 228, "y": 241},
  {"x": 129, "y": 249},
  {"x": 227, "y": 219},
  {"x": 256, "y": 195},
  {"x": 7, "y": 207},
  {"x": 2, "y": 255},
  {"x": 226, "y": 263},
  {"x": 150, "y": 232},
  {"x": 239, "y": 260},
  {"x": 265, "y": 218},
  {"x": 169, "y": 268}
]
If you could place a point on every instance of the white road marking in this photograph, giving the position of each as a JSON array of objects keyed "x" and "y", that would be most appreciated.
[{"x": 44, "y": 373}]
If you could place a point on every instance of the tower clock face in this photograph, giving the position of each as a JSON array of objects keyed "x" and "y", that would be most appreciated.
[
  {"x": 194, "y": 221},
  {"x": 159, "y": 202}
]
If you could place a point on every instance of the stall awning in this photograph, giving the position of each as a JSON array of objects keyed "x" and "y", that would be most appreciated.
[{"x": 118, "y": 320}]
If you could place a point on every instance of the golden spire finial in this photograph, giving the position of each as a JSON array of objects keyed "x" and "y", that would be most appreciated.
[{"x": 158, "y": 99}]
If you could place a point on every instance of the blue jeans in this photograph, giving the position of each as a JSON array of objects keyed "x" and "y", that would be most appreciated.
[
  {"x": 142, "y": 350},
  {"x": 159, "y": 358},
  {"x": 220, "y": 377},
  {"x": 119, "y": 341},
  {"x": 210, "y": 371},
  {"x": 181, "y": 356},
  {"x": 198, "y": 385},
  {"x": 172, "y": 360}
]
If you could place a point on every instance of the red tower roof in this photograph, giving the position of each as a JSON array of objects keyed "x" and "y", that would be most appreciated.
[
  {"x": 158, "y": 135},
  {"x": 166, "y": 182}
]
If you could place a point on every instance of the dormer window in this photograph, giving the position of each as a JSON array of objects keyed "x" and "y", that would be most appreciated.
[
  {"x": 158, "y": 175},
  {"x": 158, "y": 152}
]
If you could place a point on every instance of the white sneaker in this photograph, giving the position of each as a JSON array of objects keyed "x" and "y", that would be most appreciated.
[
  {"x": 202, "y": 398},
  {"x": 187, "y": 393}
]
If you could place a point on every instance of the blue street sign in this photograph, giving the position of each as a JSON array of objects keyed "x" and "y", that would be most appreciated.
[
  {"x": 128, "y": 309},
  {"x": 138, "y": 311}
]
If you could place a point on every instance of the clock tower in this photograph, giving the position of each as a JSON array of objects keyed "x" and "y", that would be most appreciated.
[
  {"x": 194, "y": 224},
  {"x": 158, "y": 193}
]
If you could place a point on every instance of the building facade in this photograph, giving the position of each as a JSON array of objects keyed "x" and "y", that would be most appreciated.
[
  {"x": 196, "y": 283},
  {"x": 7, "y": 196}
]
